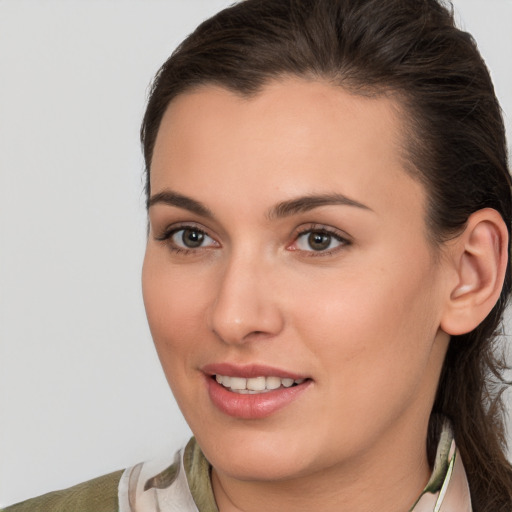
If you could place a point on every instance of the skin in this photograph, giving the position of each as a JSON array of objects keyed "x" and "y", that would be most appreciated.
[{"x": 361, "y": 319}]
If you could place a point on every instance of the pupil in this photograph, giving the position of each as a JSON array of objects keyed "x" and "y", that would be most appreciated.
[
  {"x": 192, "y": 238},
  {"x": 319, "y": 241}
]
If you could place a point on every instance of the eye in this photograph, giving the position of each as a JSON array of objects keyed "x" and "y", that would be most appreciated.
[
  {"x": 186, "y": 238},
  {"x": 319, "y": 240},
  {"x": 191, "y": 238}
]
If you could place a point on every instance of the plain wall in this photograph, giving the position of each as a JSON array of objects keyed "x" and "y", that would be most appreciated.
[{"x": 81, "y": 389}]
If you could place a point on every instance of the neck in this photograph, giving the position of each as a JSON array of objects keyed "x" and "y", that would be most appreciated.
[{"x": 388, "y": 480}]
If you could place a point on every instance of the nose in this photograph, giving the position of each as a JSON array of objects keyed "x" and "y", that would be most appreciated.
[{"x": 246, "y": 306}]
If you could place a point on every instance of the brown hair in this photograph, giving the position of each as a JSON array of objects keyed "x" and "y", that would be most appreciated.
[{"x": 457, "y": 148}]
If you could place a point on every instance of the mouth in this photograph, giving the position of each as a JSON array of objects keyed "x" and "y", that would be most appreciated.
[
  {"x": 253, "y": 392},
  {"x": 255, "y": 385}
]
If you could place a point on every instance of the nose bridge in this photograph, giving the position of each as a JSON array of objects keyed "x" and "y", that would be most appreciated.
[{"x": 244, "y": 304}]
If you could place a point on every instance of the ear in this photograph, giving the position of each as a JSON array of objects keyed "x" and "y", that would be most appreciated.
[{"x": 479, "y": 257}]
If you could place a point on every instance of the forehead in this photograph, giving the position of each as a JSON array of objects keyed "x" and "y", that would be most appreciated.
[
  {"x": 308, "y": 103},
  {"x": 294, "y": 134}
]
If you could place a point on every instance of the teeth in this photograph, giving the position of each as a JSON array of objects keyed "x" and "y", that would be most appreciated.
[
  {"x": 255, "y": 385},
  {"x": 238, "y": 383},
  {"x": 273, "y": 382}
]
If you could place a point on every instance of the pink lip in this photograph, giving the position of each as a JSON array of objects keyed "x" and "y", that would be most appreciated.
[
  {"x": 248, "y": 371},
  {"x": 256, "y": 406}
]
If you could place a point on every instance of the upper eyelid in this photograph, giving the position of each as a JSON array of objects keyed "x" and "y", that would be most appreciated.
[
  {"x": 169, "y": 230},
  {"x": 336, "y": 232},
  {"x": 174, "y": 232},
  {"x": 344, "y": 240},
  {"x": 167, "y": 235}
]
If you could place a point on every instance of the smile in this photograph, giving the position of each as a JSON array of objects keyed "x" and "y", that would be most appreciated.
[{"x": 255, "y": 385}]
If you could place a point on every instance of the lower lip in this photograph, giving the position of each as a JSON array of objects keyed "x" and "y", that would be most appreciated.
[{"x": 254, "y": 406}]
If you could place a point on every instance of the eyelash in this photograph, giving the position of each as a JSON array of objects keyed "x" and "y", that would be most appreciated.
[
  {"x": 322, "y": 230},
  {"x": 167, "y": 235}
]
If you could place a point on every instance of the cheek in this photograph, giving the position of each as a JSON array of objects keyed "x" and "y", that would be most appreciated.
[
  {"x": 372, "y": 338},
  {"x": 173, "y": 306},
  {"x": 372, "y": 323},
  {"x": 174, "y": 302}
]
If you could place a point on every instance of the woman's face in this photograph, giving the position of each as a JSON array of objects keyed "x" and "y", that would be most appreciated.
[{"x": 288, "y": 254}]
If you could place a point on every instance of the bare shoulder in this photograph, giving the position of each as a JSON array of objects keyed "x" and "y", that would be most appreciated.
[{"x": 97, "y": 495}]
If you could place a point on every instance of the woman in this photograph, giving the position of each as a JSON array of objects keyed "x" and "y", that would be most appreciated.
[{"x": 328, "y": 338}]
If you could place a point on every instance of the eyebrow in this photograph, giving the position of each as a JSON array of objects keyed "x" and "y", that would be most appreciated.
[
  {"x": 307, "y": 203},
  {"x": 172, "y": 198},
  {"x": 280, "y": 210}
]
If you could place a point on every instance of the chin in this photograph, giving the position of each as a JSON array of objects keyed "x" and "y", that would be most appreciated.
[
  {"x": 249, "y": 454},
  {"x": 262, "y": 467}
]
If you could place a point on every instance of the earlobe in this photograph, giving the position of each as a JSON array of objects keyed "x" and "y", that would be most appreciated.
[{"x": 479, "y": 257}]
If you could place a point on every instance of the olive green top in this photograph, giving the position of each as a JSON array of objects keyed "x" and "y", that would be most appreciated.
[
  {"x": 98, "y": 495},
  {"x": 102, "y": 494}
]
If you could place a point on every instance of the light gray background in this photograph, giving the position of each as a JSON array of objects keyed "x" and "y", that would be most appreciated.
[{"x": 81, "y": 389}]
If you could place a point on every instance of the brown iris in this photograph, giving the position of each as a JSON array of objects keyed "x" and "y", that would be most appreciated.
[
  {"x": 192, "y": 238},
  {"x": 319, "y": 241}
]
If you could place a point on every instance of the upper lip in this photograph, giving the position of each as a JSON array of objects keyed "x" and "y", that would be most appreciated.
[{"x": 249, "y": 370}]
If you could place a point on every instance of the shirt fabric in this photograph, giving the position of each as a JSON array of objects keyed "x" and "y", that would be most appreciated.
[{"x": 183, "y": 484}]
